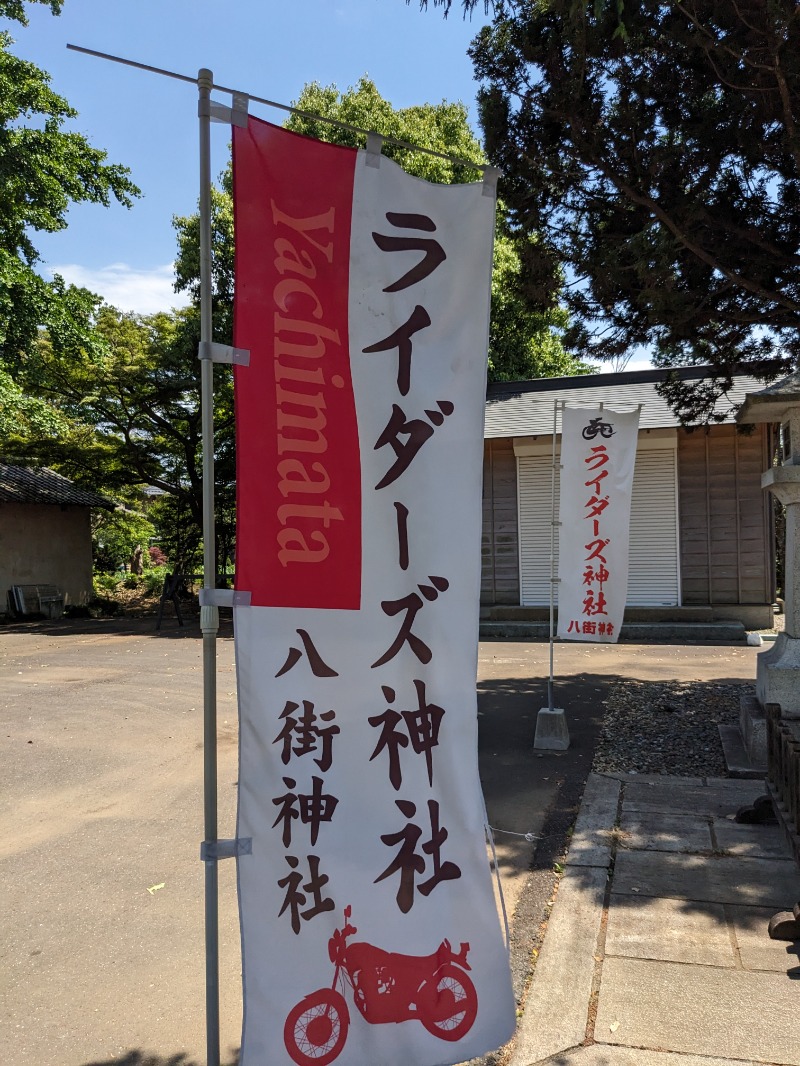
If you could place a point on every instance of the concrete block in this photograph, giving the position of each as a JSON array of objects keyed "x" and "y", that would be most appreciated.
[
  {"x": 752, "y": 841},
  {"x": 591, "y": 841},
  {"x": 705, "y": 878},
  {"x": 552, "y": 733},
  {"x": 557, "y": 1004},
  {"x": 607, "y": 1055},
  {"x": 737, "y": 759},
  {"x": 756, "y": 950},
  {"x": 654, "y": 831},
  {"x": 753, "y": 727},
  {"x": 701, "y": 1010},
  {"x": 721, "y": 796},
  {"x": 667, "y": 929}
]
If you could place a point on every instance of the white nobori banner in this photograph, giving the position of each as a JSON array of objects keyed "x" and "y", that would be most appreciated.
[
  {"x": 369, "y": 928},
  {"x": 598, "y": 453}
]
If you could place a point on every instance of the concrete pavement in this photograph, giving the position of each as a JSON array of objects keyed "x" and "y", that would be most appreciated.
[
  {"x": 657, "y": 953},
  {"x": 101, "y": 819}
]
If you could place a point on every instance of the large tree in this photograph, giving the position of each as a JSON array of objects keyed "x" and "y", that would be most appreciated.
[
  {"x": 44, "y": 167},
  {"x": 105, "y": 398},
  {"x": 120, "y": 404},
  {"x": 525, "y": 342},
  {"x": 123, "y": 413},
  {"x": 655, "y": 148}
]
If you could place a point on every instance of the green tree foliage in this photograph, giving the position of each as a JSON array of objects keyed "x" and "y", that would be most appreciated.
[
  {"x": 116, "y": 535},
  {"x": 187, "y": 264},
  {"x": 523, "y": 343},
  {"x": 24, "y": 418},
  {"x": 127, "y": 415},
  {"x": 440, "y": 127},
  {"x": 108, "y": 399},
  {"x": 113, "y": 399},
  {"x": 656, "y": 149},
  {"x": 15, "y": 9},
  {"x": 43, "y": 169},
  {"x": 47, "y": 329}
]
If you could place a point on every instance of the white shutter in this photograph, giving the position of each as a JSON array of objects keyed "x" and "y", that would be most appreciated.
[
  {"x": 536, "y": 513},
  {"x": 653, "y": 552},
  {"x": 653, "y": 559}
]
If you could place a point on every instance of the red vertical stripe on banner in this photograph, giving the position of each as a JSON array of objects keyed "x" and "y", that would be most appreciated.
[{"x": 298, "y": 533}]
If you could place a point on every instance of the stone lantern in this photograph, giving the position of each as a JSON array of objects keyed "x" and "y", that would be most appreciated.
[{"x": 778, "y": 669}]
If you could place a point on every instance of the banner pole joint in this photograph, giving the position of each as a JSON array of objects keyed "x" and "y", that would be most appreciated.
[
  {"x": 224, "y": 598},
  {"x": 491, "y": 176},
  {"x": 223, "y": 353},
  {"x": 374, "y": 149},
  {"x": 236, "y": 115},
  {"x": 214, "y": 850}
]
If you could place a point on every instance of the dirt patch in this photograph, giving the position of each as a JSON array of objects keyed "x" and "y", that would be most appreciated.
[
  {"x": 138, "y": 602},
  {"x": 667, "y": 727}
]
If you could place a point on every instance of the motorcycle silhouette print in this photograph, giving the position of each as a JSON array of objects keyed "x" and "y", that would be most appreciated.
[
  {"x": 432, "y": 989},
  {"x": 597, "y": 425}
]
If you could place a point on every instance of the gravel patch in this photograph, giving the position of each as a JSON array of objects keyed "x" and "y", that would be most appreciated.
[{"x": 666, "y": 728}]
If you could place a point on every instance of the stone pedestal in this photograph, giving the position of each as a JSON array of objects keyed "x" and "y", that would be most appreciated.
[
  {"x": 778, "y": 669},
  {"x": 778, "y": 676}
]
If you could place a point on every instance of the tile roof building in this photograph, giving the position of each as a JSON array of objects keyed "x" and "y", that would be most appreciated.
[{"x": 45, "y": 535}]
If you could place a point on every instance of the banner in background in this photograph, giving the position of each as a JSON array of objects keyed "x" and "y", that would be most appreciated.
[
  {"x": 369, "y": 928},
  {"x": 598, "y": 453}
]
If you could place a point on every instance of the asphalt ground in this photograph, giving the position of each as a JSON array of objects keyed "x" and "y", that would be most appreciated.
[{"x": 101, "y": 817}]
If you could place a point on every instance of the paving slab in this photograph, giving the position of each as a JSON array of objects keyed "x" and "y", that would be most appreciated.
[
  {"x": 557, "y": 1004},
  {"x": 718, "y": 797},
  {"x": 655, "y": 831},
  {"x": 592, "y": 838},
  {"x": 701, "y": 1010},
  {"x": 605, "y": 1055},
  {"x": 736, "y": 787},
  {"x": 756, "y": 950},
  {"x": 752, "y": 841},
  {"x": 665, "y": 929},
  {"x": 711, "y": 879}
]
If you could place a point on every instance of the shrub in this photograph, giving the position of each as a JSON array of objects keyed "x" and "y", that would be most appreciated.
[
  {"x": 157, "y": 557},
  {"x": 104, "y": 583},
  {"x": 153, "y": 580}
]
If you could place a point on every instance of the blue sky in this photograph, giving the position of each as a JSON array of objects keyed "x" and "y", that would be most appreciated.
[{"x": 267, "y": 48}]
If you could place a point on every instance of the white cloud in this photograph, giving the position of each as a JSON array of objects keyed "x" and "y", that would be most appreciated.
[{"x": 142, "y": 291}]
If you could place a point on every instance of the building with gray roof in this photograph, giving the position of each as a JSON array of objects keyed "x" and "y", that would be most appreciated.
[
  {"x": 702, "y": 530},
  {"x": 45, "y": 536}
]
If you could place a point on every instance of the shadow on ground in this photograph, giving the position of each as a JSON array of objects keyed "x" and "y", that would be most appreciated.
[
  {"x": 520, "y": 783},
  {"x": 144, "y": 626},
  {"x": 516, "y": 779},
  {"x": 144, "y": 1058},
  {"x": 524, "y": 788}
]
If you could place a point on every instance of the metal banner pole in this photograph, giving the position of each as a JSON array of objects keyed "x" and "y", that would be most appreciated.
[
  {"x": 552, "y": 732},
  {"x": 209, "y": 615},
  {"x": 552, "y": 555}
]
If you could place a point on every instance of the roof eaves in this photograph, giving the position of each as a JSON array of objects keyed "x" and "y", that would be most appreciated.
[{"x": 40, "y": 485}]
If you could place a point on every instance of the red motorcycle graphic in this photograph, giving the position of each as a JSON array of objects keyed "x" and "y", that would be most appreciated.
[{"x": 387, "y": 987}]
